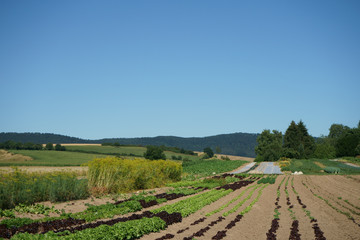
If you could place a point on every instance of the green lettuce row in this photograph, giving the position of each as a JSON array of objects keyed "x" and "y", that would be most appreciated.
[
  {"x": 193, "y": 204},
  {"x": 124, "y": 230}
]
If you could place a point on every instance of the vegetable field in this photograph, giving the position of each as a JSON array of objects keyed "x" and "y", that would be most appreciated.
[{"x": 228, "y": 206}]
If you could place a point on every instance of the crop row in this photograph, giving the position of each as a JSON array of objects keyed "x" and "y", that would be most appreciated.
[
  {"x": 186, "y": 207},
  {"x": 122, "y": 230},
  {"x": 349, "y": 206},
  {"x": 202, "y": 231},
  {"x": 319, "y": 235},
  {"x": 347, "y": 214},
  {"x": 271, "y": 234},
  {"x": 221, "y": 234},
  {"x": 231, "y": 201},
  {"x": 192, "y": 204},
  {"x": 135, "y": 203}
]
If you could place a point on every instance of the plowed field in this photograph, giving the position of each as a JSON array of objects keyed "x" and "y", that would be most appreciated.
[
  {"x": 294, "y": 207},
  {"x": 309, "y": 207}
]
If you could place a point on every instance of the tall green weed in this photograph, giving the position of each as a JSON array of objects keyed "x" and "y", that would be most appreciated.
[
  {"x": 27, "y": 188},
  {"x": 114, "y": 175}
]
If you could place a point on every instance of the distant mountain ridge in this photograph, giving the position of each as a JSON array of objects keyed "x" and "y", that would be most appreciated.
[{"x": 240, "y": 144}]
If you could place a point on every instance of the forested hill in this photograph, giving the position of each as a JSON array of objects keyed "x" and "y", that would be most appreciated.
[
  {"x": 41, "y": 138},
  {"x": 241, "y": 144}
]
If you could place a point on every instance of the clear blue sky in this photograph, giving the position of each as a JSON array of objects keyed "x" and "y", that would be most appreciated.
[{"x": 96, "y": 69}]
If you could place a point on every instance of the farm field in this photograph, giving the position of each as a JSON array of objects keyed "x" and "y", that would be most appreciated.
[
  {"x": 51, "y": 158},
  {"x": 121, "y": 150},
  {"x": 293, "y": 207}
]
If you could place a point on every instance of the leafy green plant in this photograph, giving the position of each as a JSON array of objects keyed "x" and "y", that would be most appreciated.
[
  {"x": 237, "y": 206},
  {"x": 124, "y": 230},
  {"x": 193, "y": 204},
  {"x": 231, "y": 201},
  {"x": 334, "y": 170}
]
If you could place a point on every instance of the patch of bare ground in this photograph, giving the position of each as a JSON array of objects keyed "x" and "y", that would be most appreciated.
[
  {"x": 334, "y": 224},
  {"x": 339, "y": 186},
  {"x": 6, "y": 156},
  {"x": 335, "y": 195},
  {"x": 187, "y": 228},
  {"x": 255, "y": 224},
  {"x": 353, "y": 177}
]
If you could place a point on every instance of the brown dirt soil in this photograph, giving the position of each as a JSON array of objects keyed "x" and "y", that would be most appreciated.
[
  {"x": 256, "y": 223},
  {"x": 333, "y": 224},
  {"x": 6, "y": 156}
]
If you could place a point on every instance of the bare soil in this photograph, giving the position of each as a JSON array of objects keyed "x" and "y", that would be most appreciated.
[
  {"x": 6, "y": 156},
  {"x": 256, "y": 223}
]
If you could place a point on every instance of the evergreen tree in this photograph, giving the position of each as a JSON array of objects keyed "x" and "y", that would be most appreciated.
[
  {"x": 292, "y": 141},
  {"x": 297, "y": 141}
]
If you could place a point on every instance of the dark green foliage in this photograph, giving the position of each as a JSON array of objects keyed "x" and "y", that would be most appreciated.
[
  {"x": 297, "y": 142},
  {"x": 173, "y": 157},
  {"x": 11, "y": 145},
  {"x": 209, "y": 152},
  {"x": 348, "y": 142},
  {"x": 154, "y": 153},
  {"x": 337, "y": 130},
  {"x": 268, "y": 179},
  {"x": 324, "y": 149},
  {"x": 269, "y": 146},
  {"x": 49, "y": 146},
  {"x": 58, "y": 147}
]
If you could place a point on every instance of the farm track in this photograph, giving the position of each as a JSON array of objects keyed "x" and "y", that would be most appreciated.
[
  {"x": 333, "y": 224},
  {"x": 332, "y": 198}
]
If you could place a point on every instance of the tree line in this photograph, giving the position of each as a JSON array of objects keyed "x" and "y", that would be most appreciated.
[
  {"x": 11, "y": 145},
  {"x": 297, "y": 143}
]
